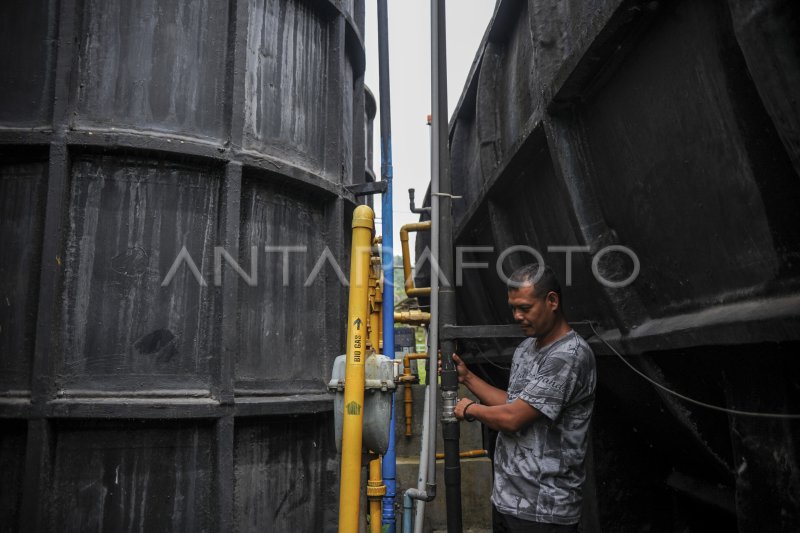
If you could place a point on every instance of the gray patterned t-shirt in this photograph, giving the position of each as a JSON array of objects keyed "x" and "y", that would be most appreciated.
[{"x": 539, "y": 470}]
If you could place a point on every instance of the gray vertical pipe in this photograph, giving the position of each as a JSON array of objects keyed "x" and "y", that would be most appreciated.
[
  {"x": 431, "y": 413},
  {"x": 426, "y": 481},
  {"x": 450, "y": 427}
]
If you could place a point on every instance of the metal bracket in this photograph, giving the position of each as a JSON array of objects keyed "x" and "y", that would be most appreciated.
[
  {"x": 507, "y": 331},
  {"x": 367, "y": 189}
]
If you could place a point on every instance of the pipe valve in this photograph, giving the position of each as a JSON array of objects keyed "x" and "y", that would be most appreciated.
[
  {"x": 413, "y": 316},
  {"x": 449, "y": 399}
]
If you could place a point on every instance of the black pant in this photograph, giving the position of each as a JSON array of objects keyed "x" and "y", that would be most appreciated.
[{"x": 503, "y": 523}]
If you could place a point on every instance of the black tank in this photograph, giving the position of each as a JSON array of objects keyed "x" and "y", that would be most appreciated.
[
  {"x": 649, "y": 151},
  {"x": 142, "y": 144}
]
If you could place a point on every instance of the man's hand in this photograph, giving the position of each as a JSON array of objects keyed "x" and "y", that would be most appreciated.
[
  {"x": 487, "y": 394},
  {"x": 461, "y": 368},
  {"x": 461, "y": 406}
]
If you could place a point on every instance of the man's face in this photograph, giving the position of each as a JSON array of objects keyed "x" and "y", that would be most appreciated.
[{"x": 536, "y": 315}]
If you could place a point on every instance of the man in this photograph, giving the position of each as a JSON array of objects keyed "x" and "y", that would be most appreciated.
[{"x": 544, "y": 416}]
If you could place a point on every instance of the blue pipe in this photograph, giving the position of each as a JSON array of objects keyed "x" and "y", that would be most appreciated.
[
  {"x": 408, "y": 513},
  {"x": 388, "y": 519},
  {"x": 390, "y": 457}
]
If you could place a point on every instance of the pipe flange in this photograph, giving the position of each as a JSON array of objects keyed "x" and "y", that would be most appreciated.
[{"x": 375, "y": 491}]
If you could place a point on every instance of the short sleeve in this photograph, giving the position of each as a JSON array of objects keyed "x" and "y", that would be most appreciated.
[{"x": 550, "y": 389}]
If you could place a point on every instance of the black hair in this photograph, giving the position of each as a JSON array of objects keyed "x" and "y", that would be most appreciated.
[{"x": 541, "y": 277}]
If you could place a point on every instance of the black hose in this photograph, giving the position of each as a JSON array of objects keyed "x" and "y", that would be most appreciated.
[
  {"x": 452, "y": 476},
  {"x": 447, "y": 308}
]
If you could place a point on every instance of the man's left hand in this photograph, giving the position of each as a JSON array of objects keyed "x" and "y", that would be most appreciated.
[{"x": 460, "y": 406}]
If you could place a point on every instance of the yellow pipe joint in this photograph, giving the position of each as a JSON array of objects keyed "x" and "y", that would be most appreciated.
[
  {"x": 414, "y": 316},
  {"x": 375, "y": 303},
  {"x": 411, "y": 291},
  {"x": 375, "y": 487},
  {"x": 357, "y": 316},
  {"x": 376, "y": 490},
  {"x": 407, "y": 375},
  {"x": 470, "y": 453},
  {"x": 407, "y": 379}
]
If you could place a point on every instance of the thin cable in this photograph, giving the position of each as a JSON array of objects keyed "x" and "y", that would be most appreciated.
[
  {"x": 486, "y": 377},
  {"x": 781, "y": 416},
  {"x": 501, "y": 367}
]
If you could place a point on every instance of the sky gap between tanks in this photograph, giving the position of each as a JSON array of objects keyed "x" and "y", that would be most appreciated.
[{"x": 410, "y": 77}]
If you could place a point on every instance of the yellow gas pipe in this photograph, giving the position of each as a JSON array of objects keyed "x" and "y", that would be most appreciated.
[
  {"x": 414, "y": 317},
  {"x": 417, "y": 318},
  {"x": 357, "y": 316},
  {"x": 470, "y": 453},
  {"x": 375, "y": 304},
  {"x": 407, "y": 379},
  {"x": 376, "y": 490},
  {"x": 409, "y": 279}
]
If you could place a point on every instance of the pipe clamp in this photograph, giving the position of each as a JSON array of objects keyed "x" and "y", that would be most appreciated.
[{"x": 375, "y": 489}]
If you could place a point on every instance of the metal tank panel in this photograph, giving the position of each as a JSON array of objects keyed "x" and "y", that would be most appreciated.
[
  {"x": 28, "y": 72},
  {"x": 130, "y": 76},
  {"x": 280, "y": 483},
  {"x": 279, "y": 321},
  {"x": 287, "y": 55},
  {"x": 132, "y": 134},
  {"x": 22, "y": 193},
  {"x": 705, "y": 236},
  {"x": 13, "y": 442},
  {"x": 127, "y": 477},
  {"x": 128, "y": 221}
]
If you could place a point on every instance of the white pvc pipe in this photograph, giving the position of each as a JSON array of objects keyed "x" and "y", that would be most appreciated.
[{"x": 433, "y": 332}]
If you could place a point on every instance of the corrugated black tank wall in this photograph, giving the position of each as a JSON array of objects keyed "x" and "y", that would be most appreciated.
[
  {"x": 132, "y": 133},
  {"x": 670, "y": 128}
]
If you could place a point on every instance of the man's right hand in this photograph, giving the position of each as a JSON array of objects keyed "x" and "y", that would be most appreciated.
[
  {"x": 487, "y": 394},
  {"x": 461, "y": 368}
]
